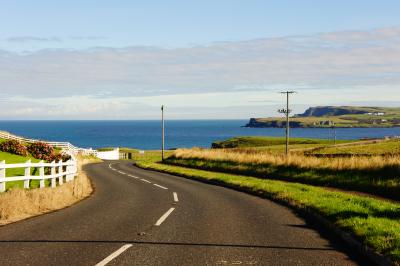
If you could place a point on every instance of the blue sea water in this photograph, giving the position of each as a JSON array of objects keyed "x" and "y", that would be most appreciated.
[{"x": 179, "y": 133}]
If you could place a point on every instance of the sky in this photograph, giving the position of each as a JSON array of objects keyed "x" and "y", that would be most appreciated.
[{"x": 205, "y": 59}]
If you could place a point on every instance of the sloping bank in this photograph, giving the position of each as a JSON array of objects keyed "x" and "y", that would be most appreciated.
[
  {"x": 18, "y": 204},
  {"x": 370, "y": 225}
]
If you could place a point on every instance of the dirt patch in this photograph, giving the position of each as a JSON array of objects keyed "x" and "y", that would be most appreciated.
[{"x": 19, "y": 204}]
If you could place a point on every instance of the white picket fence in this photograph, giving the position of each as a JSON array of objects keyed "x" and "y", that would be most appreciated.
[
  {"x": 65, "y": 146},
  {"x": 58, "y": 171}
]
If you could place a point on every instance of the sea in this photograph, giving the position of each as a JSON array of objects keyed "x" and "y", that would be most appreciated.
[{"x": 146, "y": 135}]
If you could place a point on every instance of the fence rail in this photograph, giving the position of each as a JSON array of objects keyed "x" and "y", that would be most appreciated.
[
  {"x": 58, "y": 171},
  {"x": 62, "y": 145}
]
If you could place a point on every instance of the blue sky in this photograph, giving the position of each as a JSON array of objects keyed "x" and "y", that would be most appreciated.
[
  {"x": 122, "y": 59},
  {"x": 177, "y": 23}
]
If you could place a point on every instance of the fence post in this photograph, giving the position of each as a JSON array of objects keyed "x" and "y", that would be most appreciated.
[
  {"x": 53, "y": 173},
  {"x": 74, "y": 169},
  {"x": 67, "y": 168},
  {"x": 2, "y": 175},
  {"x": 27, "y": 174},
  {"x": 41, "y": 174},
  {"x": 60, "y": 173},
  {"x": 71, "y": 170}
]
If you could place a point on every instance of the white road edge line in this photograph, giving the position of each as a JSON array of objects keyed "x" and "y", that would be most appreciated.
[
  {"x": 145, "y": 180},
  {"x": 133, "y": 176},
  {"x": 175, "y": 197},
  {"x": 114, "y": 255},
  {"x": 160, "y": 186},
  {"x": 164, "y": 217}
]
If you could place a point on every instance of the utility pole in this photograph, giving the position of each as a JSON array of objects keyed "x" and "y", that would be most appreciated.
[
  {"x": 163, "y": 132},
  {"x": 334, "y": 133},
  {"x": 287, "y": 111}
]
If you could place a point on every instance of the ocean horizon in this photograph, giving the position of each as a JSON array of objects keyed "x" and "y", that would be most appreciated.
[{"x": 146, "y": 134}]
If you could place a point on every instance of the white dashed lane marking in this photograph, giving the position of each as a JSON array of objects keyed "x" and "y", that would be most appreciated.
[
  {"x": 175, "y": 197},
  {"x": 114, "y": 255},
  {"x": 160, "y": 186},
  {"x": 142, "y": 179},
  {"x": 164, "y": 217}
]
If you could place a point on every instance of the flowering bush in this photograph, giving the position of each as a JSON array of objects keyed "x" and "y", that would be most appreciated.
[
  {"x": 14, "y": 147},
  {"x": 42, "y": 151},
  {"x": 60, "y": 157}
]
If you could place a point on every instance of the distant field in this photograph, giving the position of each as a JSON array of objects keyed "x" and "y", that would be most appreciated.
[
  {"x": 388, "y": 147},
  {"x": 311, "y": 146},
  {"x": 250, "y": 141}
]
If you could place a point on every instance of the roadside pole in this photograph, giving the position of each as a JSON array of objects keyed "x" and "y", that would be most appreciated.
[
  {"x": 287, "y": 111},
  {"x": 334, "y": 133},
  {"x": 163, "y": 133}
]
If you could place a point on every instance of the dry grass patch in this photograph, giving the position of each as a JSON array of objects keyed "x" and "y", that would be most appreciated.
[
  {"x": 379, "y": 175},
  {"x": 296, "y": 160}
]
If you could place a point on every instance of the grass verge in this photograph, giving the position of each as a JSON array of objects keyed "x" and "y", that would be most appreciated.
[
  {"x": 374, "y": 175},
  {"x": 18, "y": 204},
  {"x": 374, "y": 222}
]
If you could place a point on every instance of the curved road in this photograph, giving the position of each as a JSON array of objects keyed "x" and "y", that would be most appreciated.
[{"x": 139, "y": 217}]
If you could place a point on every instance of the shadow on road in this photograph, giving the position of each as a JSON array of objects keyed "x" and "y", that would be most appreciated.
[{"x": 43, "y": 241}]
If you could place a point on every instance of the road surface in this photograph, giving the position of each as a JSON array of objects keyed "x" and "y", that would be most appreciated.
[{"x": 139, "y": 217}]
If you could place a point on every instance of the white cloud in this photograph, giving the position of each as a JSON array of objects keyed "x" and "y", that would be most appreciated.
[
  {"x": 338, "y": 67},
  {"x": 24, "y": 39},
  {"x": 238, "y": 104}
]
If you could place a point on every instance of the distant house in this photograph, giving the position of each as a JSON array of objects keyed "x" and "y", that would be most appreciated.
[{"x": 377, "y": 113}]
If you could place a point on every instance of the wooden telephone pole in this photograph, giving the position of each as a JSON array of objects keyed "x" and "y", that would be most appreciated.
[
  {"x": 163, "y": 133},
  {"x": 287, "y": 111}
]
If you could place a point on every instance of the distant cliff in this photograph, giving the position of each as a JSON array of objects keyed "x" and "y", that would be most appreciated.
[
  {"x": 338, "y": 116},
  {"x": 256, "y": 122},
  {"x": 321, "y": 111}
]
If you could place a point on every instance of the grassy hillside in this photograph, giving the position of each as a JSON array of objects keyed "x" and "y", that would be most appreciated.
[
  {"x": 380, "y": 147},
  {"x": 274, "y": 144},
  {"x": 250, "y": 141},
  {"x": 375, "y": 175},
  {"x": 318, "y": 147}
]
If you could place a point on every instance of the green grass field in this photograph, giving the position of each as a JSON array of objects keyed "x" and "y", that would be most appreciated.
[
  {"x": 312, "y": 146},
  {"x": 382, "y": 181},
  {"x": 251, "y": 141},
  {"x": 386, "y": 147},
  {"x": 11, "y": 159},
  {"x": 374, "y": 222}
]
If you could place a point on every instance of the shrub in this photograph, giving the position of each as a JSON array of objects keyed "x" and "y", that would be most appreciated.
[
  {"x": 42, "y": 151},
  {"x": 57, "y": 157},
  {"x": 14, "y": 147},
  {"x": 66, "y": 157}
]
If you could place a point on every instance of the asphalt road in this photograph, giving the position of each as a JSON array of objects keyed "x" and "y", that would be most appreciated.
[{"x": 139, "y": 217}]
